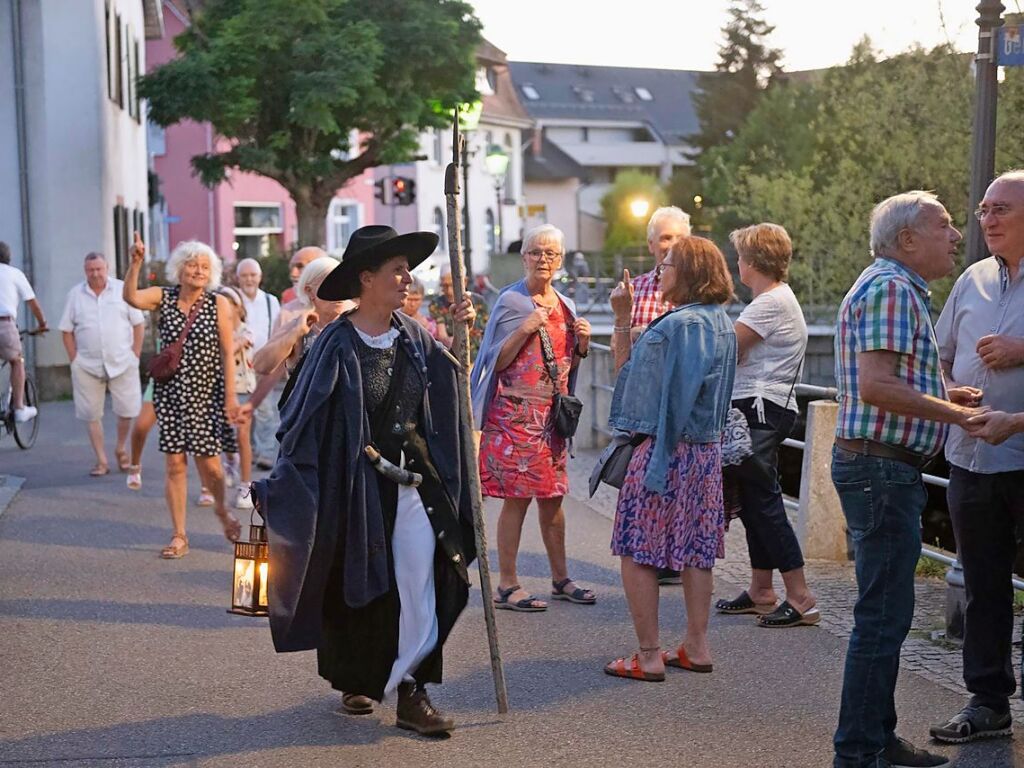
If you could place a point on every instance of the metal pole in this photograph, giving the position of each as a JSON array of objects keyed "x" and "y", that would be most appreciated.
[
  {"x": 983, "y": 149},
  {"x": 461, "y": 350},
  {"x": 499, "y": 246}
]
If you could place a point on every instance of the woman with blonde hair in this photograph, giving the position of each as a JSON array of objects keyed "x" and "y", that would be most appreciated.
[{"x": 192, "y": 405}]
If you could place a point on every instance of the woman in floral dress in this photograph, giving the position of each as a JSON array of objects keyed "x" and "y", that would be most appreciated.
[{"x": 521, "y": 456}]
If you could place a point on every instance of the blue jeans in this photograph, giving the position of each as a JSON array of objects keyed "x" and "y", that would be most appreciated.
[
  {"x": 882, "y": 501},
  {"x": 265, "y": 422}
]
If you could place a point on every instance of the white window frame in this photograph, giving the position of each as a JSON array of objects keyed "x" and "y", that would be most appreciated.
[
  {"x": 258, "y": 230},
  {"x": 341, "y": 202}
]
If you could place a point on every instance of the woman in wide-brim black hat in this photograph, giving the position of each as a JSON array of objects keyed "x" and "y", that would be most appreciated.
[{"x": 368, "y": 567}]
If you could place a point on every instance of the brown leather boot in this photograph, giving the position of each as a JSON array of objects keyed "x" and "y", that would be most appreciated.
[
  {"x": 416, "y": 713},
  {"x": 356, "y": 704}
]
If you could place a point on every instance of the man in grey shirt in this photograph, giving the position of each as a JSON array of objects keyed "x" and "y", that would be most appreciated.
[{"x": 981, "y": 345}]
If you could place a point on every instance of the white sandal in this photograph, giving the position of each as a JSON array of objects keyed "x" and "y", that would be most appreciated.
[{"x": 134, "y": 479}]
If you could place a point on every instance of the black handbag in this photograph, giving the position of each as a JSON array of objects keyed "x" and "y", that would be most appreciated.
[
  {"x": 614, "y": 461},
  {"x": 565, "y": 409}
]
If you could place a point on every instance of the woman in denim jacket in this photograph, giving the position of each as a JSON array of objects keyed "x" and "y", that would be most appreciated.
[{"x": 675, "y": 388}]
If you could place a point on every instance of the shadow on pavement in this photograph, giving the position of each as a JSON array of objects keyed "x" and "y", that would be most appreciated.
[
  {"x": 157, "y": 614},
  {"x": 95, "y": 533}
]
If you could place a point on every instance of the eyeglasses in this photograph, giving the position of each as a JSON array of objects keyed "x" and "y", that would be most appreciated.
[
  {"x": 999, "y": 210},
  {"x": 536, "y": 255},
  {"x": 662, "y": 267}
]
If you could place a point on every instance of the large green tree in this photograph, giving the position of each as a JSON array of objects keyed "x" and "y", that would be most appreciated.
[
  {"x": 746, "y": 66},
  {"x": 287, "y": 83}
]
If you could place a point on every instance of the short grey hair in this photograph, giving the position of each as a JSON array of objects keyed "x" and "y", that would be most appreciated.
[
  {"x": 246, "y": 262},
  {"x": 543, "y": 232},
  {"x": 312, "y": 276},
  {"x": 416, "y": 286},
  {"x": 667, "y": 212},
  {"x": 895, "y": 214},
  {"x": 190, "y": 250},
  {"x": 93, "y": 255}
]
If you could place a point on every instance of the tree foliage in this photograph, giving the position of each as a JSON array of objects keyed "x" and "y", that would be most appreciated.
[
  {"x": 288, "y": 83},
  {"x": 625, "y": 229},
  {"x": 746, "y": 66}
]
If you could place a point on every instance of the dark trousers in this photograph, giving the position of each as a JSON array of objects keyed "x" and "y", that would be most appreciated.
[
  {"x": 770, "y": 538},
  {"x": 882, "y": 501},
  {"x": 987, "y": 513}
]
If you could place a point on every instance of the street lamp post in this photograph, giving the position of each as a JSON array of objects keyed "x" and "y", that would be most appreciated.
[
  {"x": 983, "y": 149},
  {"x": 496, "y": 161}
]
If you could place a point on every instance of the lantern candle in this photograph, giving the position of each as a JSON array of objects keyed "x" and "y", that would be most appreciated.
[{"x": 250, "y": 578}]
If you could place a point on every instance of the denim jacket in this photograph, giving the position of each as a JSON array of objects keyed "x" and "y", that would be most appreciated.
[{"x": 677, "y": 383}]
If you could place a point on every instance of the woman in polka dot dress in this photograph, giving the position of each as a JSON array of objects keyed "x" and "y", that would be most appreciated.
[{"x": 191, "y": 407}]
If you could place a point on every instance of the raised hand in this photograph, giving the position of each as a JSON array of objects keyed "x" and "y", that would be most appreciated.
[
  {"x": 138, "y": 250},
  {"x": 621, "y": 298},
  {"x": 537, "y": 319}
]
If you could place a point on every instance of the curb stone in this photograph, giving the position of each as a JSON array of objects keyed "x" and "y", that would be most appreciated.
[{"x": 9, "y": 487}]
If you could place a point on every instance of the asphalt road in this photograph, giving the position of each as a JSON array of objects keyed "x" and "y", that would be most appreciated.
[{"x": 110, "y": 656}]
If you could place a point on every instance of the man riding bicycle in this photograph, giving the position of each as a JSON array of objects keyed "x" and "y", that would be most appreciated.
[{"x": 14, "y": 289}]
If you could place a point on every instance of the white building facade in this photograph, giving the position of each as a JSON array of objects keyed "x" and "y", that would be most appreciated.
[{"x": 72, "y": 145}]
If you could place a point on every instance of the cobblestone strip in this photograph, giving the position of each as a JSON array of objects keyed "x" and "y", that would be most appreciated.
[{"x": 835, "y": 587}]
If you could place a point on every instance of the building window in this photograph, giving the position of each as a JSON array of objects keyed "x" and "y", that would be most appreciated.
[
  {"x": 442, "y": 241},
  {"x": 492, "y": 231},
  {"x": 130, "y": 66},
  {"x": 342, "y": 221},
  {"x": 530, "y": 92},
  {"x": 122, "y": 238},
  {"x": 643, "y": 94},
  {"x": 438, "y": 145},
  {"x": 135, "y": 83},
  {"x": 258, "y": 229},
  {"x": 118, "y": 61},
  {"x": 106, "y": 27}
]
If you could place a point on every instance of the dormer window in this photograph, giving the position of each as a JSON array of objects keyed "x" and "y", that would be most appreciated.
[
  {"x": 624, "y": 94},
  {"x": 583, "y": 94},
  {"x": 485, "y": 81}
]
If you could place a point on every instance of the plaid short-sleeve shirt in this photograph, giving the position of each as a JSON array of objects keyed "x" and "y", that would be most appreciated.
[
  {"x": 647, "y": 301},
  {"x": 888, "y": 308}
]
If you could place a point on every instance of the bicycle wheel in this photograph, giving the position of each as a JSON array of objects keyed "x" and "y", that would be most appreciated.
[{"x": 26, "y": 431}]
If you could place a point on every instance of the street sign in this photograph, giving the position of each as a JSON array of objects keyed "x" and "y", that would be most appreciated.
[
  {"x": 1010, "y": 46},
  {"x": 172, "y": 219}
]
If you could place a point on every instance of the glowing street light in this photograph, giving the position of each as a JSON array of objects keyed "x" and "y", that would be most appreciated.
[{"x": 639, "y": 207}]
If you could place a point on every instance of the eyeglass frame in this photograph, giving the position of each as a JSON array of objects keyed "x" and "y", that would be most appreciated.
[
  {"x": 536, "y": 255},
  {"x": 660, "y": 269},
  {"x": 999, "y": 210}
]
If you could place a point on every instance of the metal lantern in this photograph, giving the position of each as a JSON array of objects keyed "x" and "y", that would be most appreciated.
[{"x": 249, "y": 576}]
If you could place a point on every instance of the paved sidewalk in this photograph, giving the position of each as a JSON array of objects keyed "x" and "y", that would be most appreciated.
[{"x": 112, "y": 657}]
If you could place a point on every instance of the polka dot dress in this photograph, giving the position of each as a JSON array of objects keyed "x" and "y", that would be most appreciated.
[{"x": 190, "y": 407}]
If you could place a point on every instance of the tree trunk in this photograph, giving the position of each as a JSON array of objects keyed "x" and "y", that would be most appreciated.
[{"x": 312, "y": 216}]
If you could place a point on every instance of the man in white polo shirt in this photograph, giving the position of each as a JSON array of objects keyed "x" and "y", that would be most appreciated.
[
  {"x": 261, "y": 311},
  {"x": 14, "y": 289},
  {"x": 103, "y": 338}
]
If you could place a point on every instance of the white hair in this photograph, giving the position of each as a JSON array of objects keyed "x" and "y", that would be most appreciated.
[
  {"x": 312, "y": 276},
  {"x": 895, "y": 214},
  {"x": 190, "y": 250},
  {"x": 543, "y": 232},
  {"x": 248, "y": 262},
  {"x": 667, "y": 212},
  {"x": 1015, "y": 175}
]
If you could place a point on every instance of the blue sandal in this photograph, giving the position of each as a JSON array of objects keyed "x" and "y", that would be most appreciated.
[
  {"x": 578, "y": 595},
  {"x": 526, "y": 605}
]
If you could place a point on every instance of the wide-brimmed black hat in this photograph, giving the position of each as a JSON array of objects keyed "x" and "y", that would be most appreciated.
[{"x": 368, "y": 248}]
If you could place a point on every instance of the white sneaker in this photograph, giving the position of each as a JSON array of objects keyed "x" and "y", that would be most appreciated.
[
  {"x": 21, "y": 415},
  {"x": 230, "y": 474},
  {"x": 243, "y": 500}
]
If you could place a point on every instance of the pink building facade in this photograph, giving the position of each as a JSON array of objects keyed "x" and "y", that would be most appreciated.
[{"x": 247, "y": 214}]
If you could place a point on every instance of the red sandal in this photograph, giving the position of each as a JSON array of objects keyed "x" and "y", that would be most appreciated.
[
  {"x": 682, "y": 661},
  {"x": 618, "y": 668}
]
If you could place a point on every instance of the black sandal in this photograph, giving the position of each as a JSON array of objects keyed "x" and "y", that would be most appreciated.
[
  {"x": 743, "y": 604},
  {"x": 526, "y": 605},
  {"x": 578, "y": 595},
  {"x": 788, "y": 616}
]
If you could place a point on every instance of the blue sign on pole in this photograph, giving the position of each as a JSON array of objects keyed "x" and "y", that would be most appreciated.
[
  {"x": 1010, "y": 47},
  {"x": 172, "y": 219}
]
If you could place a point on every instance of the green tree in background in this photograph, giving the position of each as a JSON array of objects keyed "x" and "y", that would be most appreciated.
[
  {"x": 746, "y": 67},
  {"x": 288, "y": 83},
  {"x": 626, "y": 229}
]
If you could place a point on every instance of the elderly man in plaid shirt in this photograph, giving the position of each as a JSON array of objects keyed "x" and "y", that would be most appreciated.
[
  {"x": 893, "y": 412},
  {"x": 666, "y": 226}
]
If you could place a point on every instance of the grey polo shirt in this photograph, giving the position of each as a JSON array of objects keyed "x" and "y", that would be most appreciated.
[{"x": 984, "y": 302}]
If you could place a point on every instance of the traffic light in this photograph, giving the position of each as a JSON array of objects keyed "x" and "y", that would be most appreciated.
[
  {"x": 403, "y": 190},
  {"x": 380, "y": 191}
]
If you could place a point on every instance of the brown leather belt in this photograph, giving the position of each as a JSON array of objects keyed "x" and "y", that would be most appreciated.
[{"x": 883, "y": 451}]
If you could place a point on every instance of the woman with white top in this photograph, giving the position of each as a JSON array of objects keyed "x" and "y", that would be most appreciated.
[{"x": 771, "y": 337}]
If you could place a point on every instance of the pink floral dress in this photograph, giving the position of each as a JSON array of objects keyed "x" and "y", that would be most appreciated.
[{"x": 521, "y": 456}]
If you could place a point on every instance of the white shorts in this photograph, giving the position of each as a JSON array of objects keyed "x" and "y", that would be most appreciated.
[{"x": 90, "y": 391}]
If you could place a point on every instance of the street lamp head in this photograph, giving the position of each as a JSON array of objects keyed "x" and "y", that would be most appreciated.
[
  {"x": 496, "y": 160},
  {"x": 639, "y": 207}
]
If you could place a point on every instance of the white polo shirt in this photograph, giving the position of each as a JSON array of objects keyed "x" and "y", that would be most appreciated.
[
  {"x": 260, "y": 316},
  {"x": 102, "y": 326},
  {"x": 14, "y": 289}
]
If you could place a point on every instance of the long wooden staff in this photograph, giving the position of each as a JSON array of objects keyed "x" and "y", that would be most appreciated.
[{"x": 461, "y": 350}]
